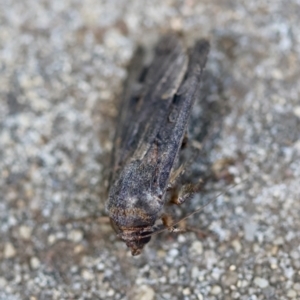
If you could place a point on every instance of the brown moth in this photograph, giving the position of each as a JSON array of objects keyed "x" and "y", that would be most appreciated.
[{"x": 151, "y": 126}]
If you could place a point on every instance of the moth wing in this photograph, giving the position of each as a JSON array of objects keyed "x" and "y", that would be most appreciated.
[
  {"x": 170, "y": 135},
  {"x": 147, "y": 99}
]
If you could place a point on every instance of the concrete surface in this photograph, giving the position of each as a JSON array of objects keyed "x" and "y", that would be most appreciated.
[{"x": 62, "y": 64}]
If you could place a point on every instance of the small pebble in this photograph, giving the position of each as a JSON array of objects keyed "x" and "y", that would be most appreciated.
[
  {"x": 161, "y": 253},
  {"x": 186, "y": 291},
  {"x": 274, "y": 266},
  {"x": 292, "y": 294},
  {"x": 216, "y": 290},
  {"x": 196, "y": 248},
  {"x": 110, "y": 293},
  {"x": 279, "y": 241},
  {"x": 232, "y": 268},
  {"x": 3, "y": 282},
  {"x": 173, "y": 252},
  {"x": 250, "y": 229},
  {"x": 297, "y": 111},
  {"x": 9, "y": 250},
  {"x": 297, "y": 145},
  {"x": 237, "y": 246},
  {"x": 229, "y": 278},
  {"x": 100, "y": 267},
  {"x": 75, "y": 235},
  {"x": 87, "y": 274},
  {"x": 296, "y": 286},
  {"x": 78, "y": 249},
  {"x": 34, "y": 263},
  {"x": 51, "y": 239},
  {"x": 163, "y": 280},
  {"x": 195, "y": 272},
  {"x": 261, "y": 282},
  {"x": 274, "y": 250},
  {"x": 242, "y": 283},
  {"x": 25, "y": 232},
  {"x": 144, "y": 292},
  {"x": 200, "y": 296},
  {"x": 181, "y": 238},
  {"x": 176, "y": 24}
]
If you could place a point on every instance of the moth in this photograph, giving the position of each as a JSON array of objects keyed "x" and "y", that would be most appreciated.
[{"x": 152, "y": 123}]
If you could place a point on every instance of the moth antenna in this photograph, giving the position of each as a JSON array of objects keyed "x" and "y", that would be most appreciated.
[
  {"x": 206, "y": 204},
  {"x": 198, "y": 209}
]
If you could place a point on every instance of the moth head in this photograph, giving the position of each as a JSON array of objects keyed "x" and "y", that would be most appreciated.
[
  {"x": 136, "y": 242},
  {"x": 135, "y": 237}
]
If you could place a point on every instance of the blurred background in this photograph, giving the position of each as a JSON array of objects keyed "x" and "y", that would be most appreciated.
[{"x": 62, "y": 66}]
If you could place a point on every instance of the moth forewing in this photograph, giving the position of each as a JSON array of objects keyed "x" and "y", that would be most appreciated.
[{"x": 147, "y": 142}]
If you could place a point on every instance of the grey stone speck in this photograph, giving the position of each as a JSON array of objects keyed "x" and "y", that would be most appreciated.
[
  {"x": 196, "y": 248},
  {"x": 250, "y": 229},
  {"x": 173, "y": 252},
  {"x": 229, "y": 278},
  {"x": 144, "y": 292},
  {"x": 292, "y": 294},
  {"x": 25, "y": 232},
  {"x": 186, "y": 292},
  {"x": 34, "y": 263},
  {"x": 9, "y": 250},
  {"x": 297, "y": 111},
  {"x": 87, "y": 274},
  {"x": 216, "y": 290},
  {"x": 3, "y": 282},
  {"x": 110, "y": 293},
  {"x": 236, "y": 245},
  {"x": 296, "y": 287},
  {"x": 261, "y": 282},
  {"x": 75, "y": 235},
  {"x": 200, "y": 296},
  {"x": 51, "y": 239}
]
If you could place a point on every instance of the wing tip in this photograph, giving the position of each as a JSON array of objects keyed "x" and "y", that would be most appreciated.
[{"x": 168, "y": 43}]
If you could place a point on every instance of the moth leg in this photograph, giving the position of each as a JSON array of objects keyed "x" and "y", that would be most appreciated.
[
  {"x": 190, "y": 142},
  {"x": 185, "y": 140},
  {"x": 182, "y": 226},
  {"x": 196, "y": 145},
  {"x": 201, "y": 233},
  {"x": 186, "y": 192},
  {"x": 168, "y": 222},
  {"x": 175, "y": 175},
  {"x": 179, "y": 171}
]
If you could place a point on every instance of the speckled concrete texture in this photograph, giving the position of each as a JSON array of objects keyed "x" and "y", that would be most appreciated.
[{"x": 62, "y": 65}]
